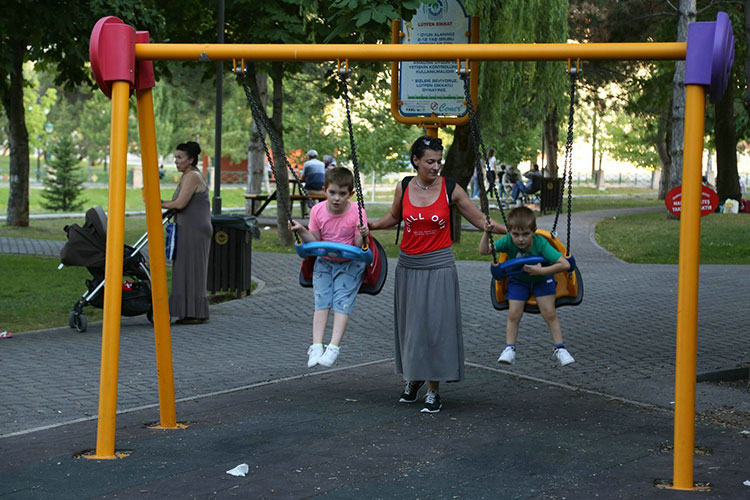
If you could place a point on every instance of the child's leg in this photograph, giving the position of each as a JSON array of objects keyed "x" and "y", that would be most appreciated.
[
  {"x": 515, "y": 313},
  {"x": 340, "y": 321},
  {"x": 549, "y": 313},
  {"x": 320, "y": 320}
]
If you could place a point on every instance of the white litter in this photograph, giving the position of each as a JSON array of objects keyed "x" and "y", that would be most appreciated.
[
  {"x": 744, "y": 432},
  {"x": 746, "y": 483},
  {"x": 266, "y": 228},
  {"x": 239, "y": 471}
]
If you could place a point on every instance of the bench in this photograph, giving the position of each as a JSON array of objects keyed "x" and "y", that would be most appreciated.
[{"x": 268, "y": 198}]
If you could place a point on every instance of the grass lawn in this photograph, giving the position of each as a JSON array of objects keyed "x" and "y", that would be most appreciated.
[{"x": 654, "y": 239}]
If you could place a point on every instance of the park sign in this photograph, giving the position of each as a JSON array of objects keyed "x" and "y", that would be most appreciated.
[
  {"x": 709, "y": 200},
  {"x": 433, "y": 88}
]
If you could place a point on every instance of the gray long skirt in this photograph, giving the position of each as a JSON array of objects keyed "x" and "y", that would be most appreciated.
[{"x": 427, "y": 315}]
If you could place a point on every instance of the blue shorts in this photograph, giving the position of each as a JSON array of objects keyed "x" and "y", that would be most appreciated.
[
  {"x": 520, "y": 290},
  {"x": 336, "y": 284}
]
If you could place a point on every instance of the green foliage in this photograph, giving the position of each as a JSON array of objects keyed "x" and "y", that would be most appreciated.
[
  {"x": 516, "y": 96},
  {"x": 63, "y": 184}
]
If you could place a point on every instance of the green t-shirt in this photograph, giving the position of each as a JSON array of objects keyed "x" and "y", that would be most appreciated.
[{"x": 540, "y": 247}]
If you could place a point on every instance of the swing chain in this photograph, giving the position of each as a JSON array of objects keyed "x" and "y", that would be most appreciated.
[
  {"x": 343, "y": 75},
  {"x": 568, "y": 161},
  {"x": 263, "y": 123},
  {"x": 476, "y": 134}
]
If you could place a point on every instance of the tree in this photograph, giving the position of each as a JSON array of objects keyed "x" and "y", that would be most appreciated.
[
  {"x": 63, "y": 185},
  {"x": 54, "y": 34}
]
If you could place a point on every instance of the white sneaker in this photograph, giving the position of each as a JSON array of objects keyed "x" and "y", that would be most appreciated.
[
  {"x": 508, "y": 357},
  {"x": 314, "y": 352},
  {"x": 329, "y": 357},
  {"x": 563, "y": 356}
]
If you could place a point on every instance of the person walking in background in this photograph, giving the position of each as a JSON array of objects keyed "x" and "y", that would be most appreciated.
[
  {"x": 336, "y": 280},
  {"x": 427, "y": 306},
  {"x": 313, "y": 172},
  {"x": 188, "y": 301},
  {"x": 537, "y": 280},
  {"x": 491, "y": 167}
]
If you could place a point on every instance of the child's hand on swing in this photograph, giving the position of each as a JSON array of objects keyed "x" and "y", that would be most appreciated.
[
  {"x": 363, "y": 230},
  {"x": 294, "y": 225},
  {"x": 488, "y": 226},
  {"x": 536, "y": 269}
]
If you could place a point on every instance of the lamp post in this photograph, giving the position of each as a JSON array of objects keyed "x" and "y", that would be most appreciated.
[{"x": 48, "y": 128}]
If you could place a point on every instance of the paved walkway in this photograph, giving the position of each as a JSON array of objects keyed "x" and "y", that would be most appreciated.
[{"x": 595, "y": 429}]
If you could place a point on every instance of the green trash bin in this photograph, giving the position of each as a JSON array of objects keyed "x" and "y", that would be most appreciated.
[
  {"x": 550, "y": 197},
  {"x": 230, "y": 255}
]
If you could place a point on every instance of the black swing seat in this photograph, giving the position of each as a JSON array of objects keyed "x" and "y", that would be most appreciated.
[
  {"x": 374, "y": 277},
  {"x": 569, "y": 283}
]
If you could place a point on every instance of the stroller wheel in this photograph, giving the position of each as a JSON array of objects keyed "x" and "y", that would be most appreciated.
[
  {"x": 72, "y": 319},
  {"x": 150, "y": 316},
  {"x": 81, "y": 323}
]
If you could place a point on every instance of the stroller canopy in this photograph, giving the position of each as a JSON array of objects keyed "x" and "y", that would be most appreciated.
[{"x": 86, "y": 245}]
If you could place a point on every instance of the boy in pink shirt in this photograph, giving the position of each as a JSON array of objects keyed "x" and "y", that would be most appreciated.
[{"x": 336, "y": 281}]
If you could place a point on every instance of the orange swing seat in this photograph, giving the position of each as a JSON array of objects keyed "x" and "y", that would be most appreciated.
[{"x": 569, "y": 283}]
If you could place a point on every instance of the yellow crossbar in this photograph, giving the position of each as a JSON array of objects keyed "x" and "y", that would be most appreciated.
[{"x": 413, "y": 52}]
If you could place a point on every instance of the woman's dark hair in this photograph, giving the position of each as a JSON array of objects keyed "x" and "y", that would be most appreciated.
[
  {"x": 423, "y": 144},
  {"x": 491, "y": 152},
  {"x": 192, "y": 149}
]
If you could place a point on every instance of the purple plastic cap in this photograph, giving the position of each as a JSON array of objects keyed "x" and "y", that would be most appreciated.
[{"x": 710, "y": 55}]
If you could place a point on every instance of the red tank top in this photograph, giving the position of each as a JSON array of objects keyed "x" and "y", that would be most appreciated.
[{"x": 426, "y": 229}]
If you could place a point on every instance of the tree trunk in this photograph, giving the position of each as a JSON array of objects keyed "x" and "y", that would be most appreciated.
[
  {"x": 551, "y": 134},
  {"x": 746, "y": 97},
  {"x": 727, "y": 180},
  {"x": 18, "y": 138},
  {"x": 459, "y": 165},
  {"x": 662, "y": 150},
  {"x": 687, "y": 16},
  {"x": 256, "y": 161},
  {"x": 279, "y": 156}
]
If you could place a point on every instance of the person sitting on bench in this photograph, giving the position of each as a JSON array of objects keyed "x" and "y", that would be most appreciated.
[
  {"x": 313, "y": 173},
  {"x": 533, "y": 183}
]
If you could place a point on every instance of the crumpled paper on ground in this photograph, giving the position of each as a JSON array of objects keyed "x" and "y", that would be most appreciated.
[{"x": 239, "y": 471}]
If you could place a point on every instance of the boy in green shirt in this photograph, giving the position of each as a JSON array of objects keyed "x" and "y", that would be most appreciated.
[{"x": 538, "y": 279}]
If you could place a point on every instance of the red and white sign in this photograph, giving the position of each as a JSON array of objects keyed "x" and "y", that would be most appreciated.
[{"x": 709, "y": 200}]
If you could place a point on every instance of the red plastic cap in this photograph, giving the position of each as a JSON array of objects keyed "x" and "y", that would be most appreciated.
[
  {"x": 112, "y": 53},
  {"x": 144, "y": 70}
]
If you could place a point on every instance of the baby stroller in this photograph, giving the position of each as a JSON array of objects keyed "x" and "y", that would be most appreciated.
[{"x": 86, "y": 247}]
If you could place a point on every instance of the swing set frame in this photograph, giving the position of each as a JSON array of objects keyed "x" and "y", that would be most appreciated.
[{"x": 122, "y": 63}]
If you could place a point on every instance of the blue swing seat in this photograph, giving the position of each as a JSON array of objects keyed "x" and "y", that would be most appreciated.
[
  {"x": 514, "y": 266},
  {"x": 332, "y": 249},
  {"x": 569, "y": 291}
]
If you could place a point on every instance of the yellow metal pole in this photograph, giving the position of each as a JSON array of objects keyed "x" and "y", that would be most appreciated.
[
  {"x": 105, "y": 437},
  {"x": 158, "y": 267},
  {"x": 412, "y": 52},
  {"x": 687, "y": 291}
]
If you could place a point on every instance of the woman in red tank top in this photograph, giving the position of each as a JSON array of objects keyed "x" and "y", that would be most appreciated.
[{"x": 427, "y": 307}]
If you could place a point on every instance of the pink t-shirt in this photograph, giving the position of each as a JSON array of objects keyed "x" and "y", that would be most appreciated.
[{"x": 339, "y": 228}]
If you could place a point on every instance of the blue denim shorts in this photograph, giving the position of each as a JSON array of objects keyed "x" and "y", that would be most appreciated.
[
  {"x": 336, "y": 284},
  {"x": 520, "y": 290}
]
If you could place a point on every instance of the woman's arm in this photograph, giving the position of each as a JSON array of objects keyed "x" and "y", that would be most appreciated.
[
  {"x": 191, "y": 182},
  {"x": 472, "y": 214},
  {"x": 393, "y": 217}
]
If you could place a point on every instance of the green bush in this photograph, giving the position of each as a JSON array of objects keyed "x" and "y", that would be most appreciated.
[{"x": 63, "y": 185}]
